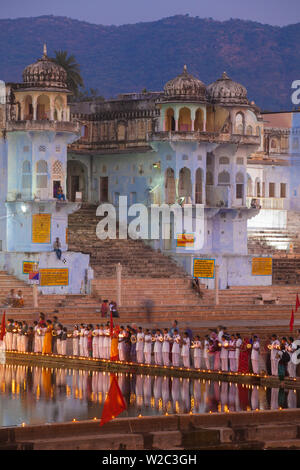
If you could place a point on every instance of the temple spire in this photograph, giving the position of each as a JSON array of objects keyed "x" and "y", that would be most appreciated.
[{"x": 45, "y": 50}]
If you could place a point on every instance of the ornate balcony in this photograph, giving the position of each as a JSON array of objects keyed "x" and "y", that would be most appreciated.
[
  {"x": 198, "y": 136},
  {"x": 44, "y": 125}
]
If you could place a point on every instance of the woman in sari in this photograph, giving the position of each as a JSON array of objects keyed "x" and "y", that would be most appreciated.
[
  {"x": 47, "y": 346},
  {"x": 245, "y": 350}
]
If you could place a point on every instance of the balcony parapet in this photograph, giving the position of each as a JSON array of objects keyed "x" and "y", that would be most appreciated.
[
  {"x": 43, "y": 125},
  {"x": 198, "y": 136}
]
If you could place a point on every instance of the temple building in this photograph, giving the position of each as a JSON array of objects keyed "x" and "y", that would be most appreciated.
[
  {"x": 188, "y": 144},
  {"x": 35, "y": 132}
]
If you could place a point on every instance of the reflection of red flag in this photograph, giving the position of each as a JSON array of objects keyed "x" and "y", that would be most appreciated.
[
  {"x": 297, "y": 303},
  {"x": 3, "y": 330},
  {"x": 292, "y": 321},
  {"x": 114, "y": 403}
]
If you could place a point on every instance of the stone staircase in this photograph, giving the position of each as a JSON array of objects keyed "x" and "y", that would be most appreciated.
[
  {"x": 137, "y": 259},
  {"x": 276, "y": 241}
]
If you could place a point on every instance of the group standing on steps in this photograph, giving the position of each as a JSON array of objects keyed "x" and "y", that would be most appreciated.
[{"x": 217, "y": 350}]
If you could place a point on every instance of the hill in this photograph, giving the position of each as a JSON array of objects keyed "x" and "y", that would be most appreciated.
[{"x": 118, "y": 59}]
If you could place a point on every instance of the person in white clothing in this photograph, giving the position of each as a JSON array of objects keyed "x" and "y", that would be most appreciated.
[
  {"x": 291, "y": 347},
  {"x": 75, "y": 341},
  {"x": 100, "y": 342},
  {"x": 176, "y": 348},
  {"x": 275, "y": 347},
  {"x": 224, "y": 354},
  {"x": 255, "y": 355},
  {"x": 185, "y": 350},
  {"x": 147, "y": 346},
  {"x": 158, "y": 347},
  {"x": 58, "y": 333},
  {"x": 81, "y": 339},
  {"x": 15, "y": 336},
  {"x": 231, "y": 354},
  {"x": 85, "y": 342},
  {"x": 140, "y": 345},
  {"x": 121, "y": 344},
  {"x": 167, "y": 339},
  {"x": 238, "y": 344},
  {"x": 197, "y": 347},
  {"x": 95, "y": 342},
  {"x": 63, "y": 344},
  {"x": 8, "y": 338},
  {"x": 205, "y": 352},
  {"x": 36, "y": 339}
]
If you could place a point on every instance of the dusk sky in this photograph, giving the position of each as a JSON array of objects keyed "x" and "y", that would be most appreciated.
[{"x": 275, "y": 12}]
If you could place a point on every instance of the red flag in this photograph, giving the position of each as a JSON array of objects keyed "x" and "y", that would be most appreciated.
[
  {"x": 297, "y": 303},
  {"x": 3, "y": 329},
  {"x": 114, "y": 403},
  {"x": 292, "y": 321}
]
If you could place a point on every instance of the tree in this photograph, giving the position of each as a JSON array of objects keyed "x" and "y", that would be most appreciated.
[{"x": 74, "y": 79}]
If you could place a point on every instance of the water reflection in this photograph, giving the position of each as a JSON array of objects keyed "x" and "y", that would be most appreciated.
[{"x": 37, "y": 395}]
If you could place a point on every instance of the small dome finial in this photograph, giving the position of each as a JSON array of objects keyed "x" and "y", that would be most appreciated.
[
  {"x": 225, "y": 76},
  {"x": 45, "y": 50},
  {"x": 184, "y": 68}
]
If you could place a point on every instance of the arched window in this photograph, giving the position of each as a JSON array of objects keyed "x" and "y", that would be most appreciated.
[
  {"x": 41, "y": 174},
  {"x": 209, "y": 178},
  {"x": 58, "y": 109},
  {"x": 239, "y": 123},
  {"x": 274, "y": 144},
  {"x": 199, "y": 184},
  {"x": 249, "y": 186},
  {"x": 249, "y": 130},
  {"x": 169, "y": 120},
  {"x": 170, "y": 189},
  {"x": 239, "y": 177},
  {"x": 185, "y": 184},
  {"x": 224, "y": 178},
  {"x": 224, "y": 161},
  {"x": 26, "y": 175},
  {"x": 199, "y": 121}
]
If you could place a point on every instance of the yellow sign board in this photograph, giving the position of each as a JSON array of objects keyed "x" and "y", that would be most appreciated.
[
  {"x": 185, "y": 240},
  {"x": 41, "y": 228},
  {"x": 204, "y": 268},
  {"x": 29, "y": 266},
  {"x": 261, "y": 266},
  {"x": 54, "y": 277}
]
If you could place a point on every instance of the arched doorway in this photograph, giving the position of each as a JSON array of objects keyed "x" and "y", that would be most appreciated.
[
  {"x": 43, "y": 108},
  {"x": 199, "y": 120},
  {"x": 169, "y": 120},
  {"x": 185, "y": 121},
  {"x": 170, "y": 188},
  {"x": 76, "y": 180}
]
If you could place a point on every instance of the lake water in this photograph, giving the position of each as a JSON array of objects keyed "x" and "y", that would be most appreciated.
[{"x": 36, "y": 395}]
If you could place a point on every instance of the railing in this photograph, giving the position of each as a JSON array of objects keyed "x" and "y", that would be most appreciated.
[
  {"x": 268, "y": 202},
  {"x": 57, "y": 126}
]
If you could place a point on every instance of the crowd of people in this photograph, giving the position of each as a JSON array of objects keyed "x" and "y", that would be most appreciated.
[{"x": 217, "y": 350}]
